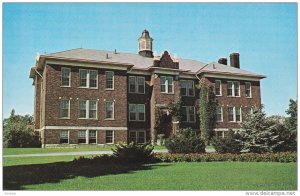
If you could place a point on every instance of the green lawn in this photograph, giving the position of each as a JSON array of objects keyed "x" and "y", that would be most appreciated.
[
  {"x": 15, "y": 151},
  {"x": 57, "y": 173}
]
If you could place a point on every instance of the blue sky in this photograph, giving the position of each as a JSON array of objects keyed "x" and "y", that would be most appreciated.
[{"x": 265, "y": 35}]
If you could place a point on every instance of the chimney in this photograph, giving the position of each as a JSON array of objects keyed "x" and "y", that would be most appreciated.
[
  {"x": 223, "y": 61},
  {"x": 235, "y": 60}
]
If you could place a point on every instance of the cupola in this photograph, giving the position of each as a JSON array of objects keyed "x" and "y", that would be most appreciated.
[{"x": 145, "y": 44}]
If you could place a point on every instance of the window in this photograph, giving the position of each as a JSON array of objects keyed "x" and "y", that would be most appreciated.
[
  {"x": 136, "y": 112},
  {"x": 219, "y": 114},
  {"x": 64, "y": 137},
  {"x": 218, "y": 87},
  {"x": 65, "y": 109},
  {"x": 65, "y": 76},
  {"x": 188, "y": 114},
  {"x": 248, "y": 89},
  {"x": 220, "y": 134},
  {"x": 109, "y": 110},
  {"x": 166, "y": 84},
  {"x": 109, "y": 137},
  {"x": 233, "y": 88},
  {"x": 138, "y": 137},
  {"x": 109, "y": 80},
  {"x": 234, "y": 114},
  {"x": 82, "y": 137},
  {"x": 92, "y": 137},
  {"x": 136, "y": 84},
  {"x": 92, "y": 109},
  {"x": 88, "y": 78},
  {"x": 87, "y": 109},
  {"x": 187, "y": 88}
]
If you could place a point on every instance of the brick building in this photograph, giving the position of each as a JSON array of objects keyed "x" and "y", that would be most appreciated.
[{"x": 85, "y": 96}]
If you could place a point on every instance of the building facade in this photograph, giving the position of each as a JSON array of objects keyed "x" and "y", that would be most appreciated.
[{"x": 85, "y": 96}]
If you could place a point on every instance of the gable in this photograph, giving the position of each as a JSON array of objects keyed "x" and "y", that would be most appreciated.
[{"x": 166, "y": 61}]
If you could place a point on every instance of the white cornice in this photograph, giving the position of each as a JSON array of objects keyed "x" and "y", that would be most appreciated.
[
  {"x": 235, "y": 77},
  {"x": 83, "y": 127}
]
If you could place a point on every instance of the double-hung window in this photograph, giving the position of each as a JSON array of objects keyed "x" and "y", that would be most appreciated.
[
  {"x": 219, "y": 112},
  {"x": 218, "y": 87},
  {"x": 64, "y": 108},
  {"x": 88, "y": 78},
  {"x": 138, "y": 137},
  {"x": 64, "y": 137},
  {"x": 82, "y": 137},
  {"x": 136, "y": 84},
  {"x": 234, "y": 114},
  {"x": 248, "y": 89},
  {"x": 109, "y": 137},
  {"x": 87, "y": 109},
  {"x": 92, "y": 136},
  {"x": 188, "y": 114},
  {"x": 136, "y": 112},
  {"x": 109, "y": 80},
  {"x": 166, "y": 84},
  {"x": 65, "y": 76},
  {"x": 187, "y": 88},
  {"x": 109, "y": 110},
  {"x": 233, "y": 88}
]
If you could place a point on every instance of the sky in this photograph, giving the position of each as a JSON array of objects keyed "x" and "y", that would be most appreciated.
[{"x": 265, "y": 35}]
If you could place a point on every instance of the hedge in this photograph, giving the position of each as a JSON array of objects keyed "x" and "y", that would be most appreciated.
[{"x": 284, "y": 157}]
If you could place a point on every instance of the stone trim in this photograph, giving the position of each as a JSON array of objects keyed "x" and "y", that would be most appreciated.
[{"x": 81, "y": 127}]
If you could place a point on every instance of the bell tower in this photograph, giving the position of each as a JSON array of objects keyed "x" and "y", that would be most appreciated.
[{"x": 145, "y": 44}]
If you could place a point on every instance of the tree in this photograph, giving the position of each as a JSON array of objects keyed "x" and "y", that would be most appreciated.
[
  {"x": 259, "y": 134},
  {"x": 229, "y": 144},
  {"x": 18, "y": 131},
  {"x": 207, "y": 111},
  {"x": 291, "y": 121}
]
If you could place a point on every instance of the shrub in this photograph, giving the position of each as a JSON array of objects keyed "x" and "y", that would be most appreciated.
[
  {"x": 243, "y": 157},
  {"x": 186, "y": 141},
  {"x": 230, "y": 144},
  {"x": 133, "y": 152}
]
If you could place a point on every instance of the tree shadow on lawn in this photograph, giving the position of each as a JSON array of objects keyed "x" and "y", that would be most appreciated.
[{"x": 15, "y": 177}]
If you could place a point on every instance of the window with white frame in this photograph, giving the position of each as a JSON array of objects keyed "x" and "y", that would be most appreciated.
[
  {"x": 187, "y": 88},
  {"x": 188, "y": 114},
  {"x": 92, "y": 136},
  {"x": 219, "y": 111},
  {"x": 109, "y": 137},
  {"x": 233, "y": 88},
  {"x": 109, "y": 80},
  {"x": 109, "y": 110},
  {"x": 64, "y": 108},
  {"x": 218, "y": 87},
  {"x": 87, "y": 109},
  {"x": 64, "y": 137},
  {"x": 136, "y": 84},
  {"x": 88, "y": 78},
  {"x": 136, "y": 112},
  {"x": 166, "y": 84},
  {"x": 65, "y": 76},
  {"x": 138, "y": 137},
  {"x": 234, "y": 114},
  {"x": 81, "y": 137},
  {"x": 248, "y": 89}
]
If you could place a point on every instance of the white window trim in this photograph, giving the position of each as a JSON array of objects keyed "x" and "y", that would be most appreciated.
[
  {"x": 234, "y": 115},
  {"x": 136, "y": 113},
  {"x": 187, "y": 91},
  {"x": 136, "y": 85},
  {"x": 136, "y": 135},
  {"x": 88, "y": 79},
  {"x": 68, "y": 137},
  {"x": 232, "y": 89},
  {"x": 69, "y": 109},
  {"x": 88, "y": 136},
  {"x": 113, "y": 81},
  {"x": 221, "y": 115},
  {"x": 113, "y": 111},
  {"x": 166, "y": 85},
  {"x": 250, "y": 89},
  {"x": 113, "y": 137},
  {"x": 220, "y": 88},
  {"x": 87, "y": 110},
  {"x": 188, "y": 116},
  {"x": 61, "y": 85}
]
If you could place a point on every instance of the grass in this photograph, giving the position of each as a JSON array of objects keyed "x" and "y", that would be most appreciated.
[
  {"x": 16, "y": 151},
  {"x": 58, "y": 173}
]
